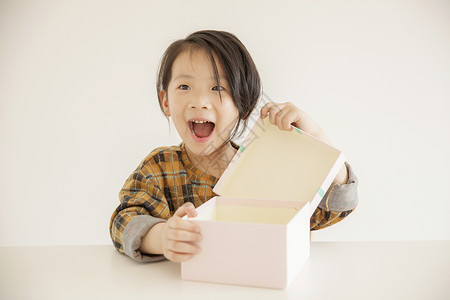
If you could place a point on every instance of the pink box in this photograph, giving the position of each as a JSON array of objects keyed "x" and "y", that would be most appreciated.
[{"x": 256, "y": 232}]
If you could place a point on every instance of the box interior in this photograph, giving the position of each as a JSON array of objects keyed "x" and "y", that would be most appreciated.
[{"x": 249, "y": 211}]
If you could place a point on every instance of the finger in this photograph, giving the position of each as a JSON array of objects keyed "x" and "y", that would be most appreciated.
[
  {"x": 279, "y": 119},
  {"x": 286, "y": 120},
  {"x": 183, "y": 235},
  {"x": 177, "y": 257},
  {"x": 186, "y": 209},
  {"x": 179, "y": 224},
  {"x": 265, "y": 109},
  {"x": 274, "y": 111},
  {"x": 182, "y": 247},
  {"x": 191, "y": 211}
]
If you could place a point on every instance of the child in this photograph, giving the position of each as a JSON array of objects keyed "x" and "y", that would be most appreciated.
[{"x": 209, "y": 85}]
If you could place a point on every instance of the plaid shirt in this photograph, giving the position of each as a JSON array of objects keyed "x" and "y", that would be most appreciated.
[{"x": 166, "y": 179}]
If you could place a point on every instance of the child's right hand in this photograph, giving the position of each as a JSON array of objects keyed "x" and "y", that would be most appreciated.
[{"x": 178, "y": 235}]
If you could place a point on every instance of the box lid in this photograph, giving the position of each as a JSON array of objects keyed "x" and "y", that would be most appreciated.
[{"x": 280, "y": 165}]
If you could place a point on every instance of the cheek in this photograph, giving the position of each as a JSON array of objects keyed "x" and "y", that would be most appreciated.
[
  {"x": 174, "y": 104},
  {"x": 229, "y": 122},
  {"x": 231, "y": 109}
]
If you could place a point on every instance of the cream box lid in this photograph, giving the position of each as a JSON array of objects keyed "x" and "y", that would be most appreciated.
[{"x": 274, "y": 164}]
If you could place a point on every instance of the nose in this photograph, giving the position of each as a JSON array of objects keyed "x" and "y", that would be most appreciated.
[{"x": 200, "y": 101}]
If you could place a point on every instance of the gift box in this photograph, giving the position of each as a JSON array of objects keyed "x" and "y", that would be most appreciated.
[{"x": 257, "y": 231}]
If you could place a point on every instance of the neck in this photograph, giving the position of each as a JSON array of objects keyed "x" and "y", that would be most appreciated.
[{"x": 215, "y": 163}]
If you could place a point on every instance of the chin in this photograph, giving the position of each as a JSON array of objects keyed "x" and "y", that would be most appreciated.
[{"x": 202, "y": 149}]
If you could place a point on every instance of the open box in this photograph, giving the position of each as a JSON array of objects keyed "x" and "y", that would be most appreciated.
[{"x": 256, "y": 232}]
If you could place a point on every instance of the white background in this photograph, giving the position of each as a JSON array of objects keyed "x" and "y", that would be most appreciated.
[{"x": 78, "y": 106}]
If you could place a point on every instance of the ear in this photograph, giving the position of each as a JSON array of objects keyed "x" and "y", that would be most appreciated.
[{"x": 164, "y": 103}]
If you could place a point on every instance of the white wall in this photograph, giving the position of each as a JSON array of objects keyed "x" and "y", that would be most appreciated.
[{"x": 78, "y": 109}]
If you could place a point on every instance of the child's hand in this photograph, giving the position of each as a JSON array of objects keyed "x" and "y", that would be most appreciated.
[
  {"x": 285, "y": 114},
  {"x": 178, "y": 235}
]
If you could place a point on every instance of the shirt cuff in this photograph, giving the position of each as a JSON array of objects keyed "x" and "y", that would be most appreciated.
[
  {"x": 342, "y": 197},
  {"x": 132, "y": 236}
]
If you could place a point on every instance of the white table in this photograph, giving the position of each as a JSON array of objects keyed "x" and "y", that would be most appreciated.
[{"x": 335, "y": 270}]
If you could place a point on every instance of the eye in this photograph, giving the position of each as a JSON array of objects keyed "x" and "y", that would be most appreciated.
[
  {"x": 218, "y": 88},
  {"x": 184, "y": 87}
]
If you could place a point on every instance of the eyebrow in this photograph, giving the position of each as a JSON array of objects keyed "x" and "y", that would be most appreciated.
[{"x": 186, "y": 76}]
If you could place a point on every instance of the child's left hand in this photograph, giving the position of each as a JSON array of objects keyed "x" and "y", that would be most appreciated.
[{"x": 286, "y": 114}]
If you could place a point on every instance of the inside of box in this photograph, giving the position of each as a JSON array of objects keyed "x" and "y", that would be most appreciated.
[{"x": 249, "y": 214}]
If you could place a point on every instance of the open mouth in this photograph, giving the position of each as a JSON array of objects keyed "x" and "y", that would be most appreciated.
[{"x": 201, "y": 128}]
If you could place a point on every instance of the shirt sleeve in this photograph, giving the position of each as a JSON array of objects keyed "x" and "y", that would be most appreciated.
[
  {"x": 142, "y": 206},
  {"x": 338, "y": 202}
]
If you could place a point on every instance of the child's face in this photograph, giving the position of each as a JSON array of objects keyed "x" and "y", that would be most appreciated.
[{"x": 193, "y": 94}]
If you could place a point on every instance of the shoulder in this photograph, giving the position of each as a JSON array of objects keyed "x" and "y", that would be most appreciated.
[
  {"x": 164, "y": 153},
  {"x": 161, "y": 159}
]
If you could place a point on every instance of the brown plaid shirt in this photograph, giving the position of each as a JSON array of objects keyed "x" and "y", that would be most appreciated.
[{"x": 166, "y": 179}]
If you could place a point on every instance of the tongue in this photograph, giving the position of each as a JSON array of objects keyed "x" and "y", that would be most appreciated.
[{"x": 203, "y": 129}]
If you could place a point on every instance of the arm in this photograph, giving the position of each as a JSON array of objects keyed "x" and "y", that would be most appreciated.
[
  {"x": 142, "y": 206},
  {"x": 339, "y": 201},
  {"x": 141, "y": 226},
  {"x": 174, "y": 238}
]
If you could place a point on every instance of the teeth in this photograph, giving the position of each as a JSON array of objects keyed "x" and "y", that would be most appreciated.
[{"x": 195, "y": 121}]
